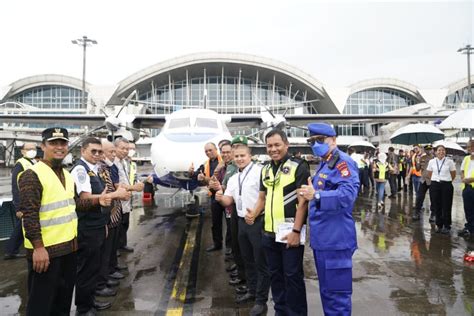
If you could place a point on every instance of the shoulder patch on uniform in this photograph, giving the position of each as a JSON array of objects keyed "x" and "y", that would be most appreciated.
[
  {"x": 343, "y": 169},
  {"x": 81, "y": 175}
]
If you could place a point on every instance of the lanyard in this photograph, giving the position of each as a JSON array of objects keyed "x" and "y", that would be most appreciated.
[
  {"x": 439, "y": 168},
  {"x": 240, "y": 183}
]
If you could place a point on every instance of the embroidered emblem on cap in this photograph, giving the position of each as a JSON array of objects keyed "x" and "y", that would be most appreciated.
[{"x": 57, "y": 133}]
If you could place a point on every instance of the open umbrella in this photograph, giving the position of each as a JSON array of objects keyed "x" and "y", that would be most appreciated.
[
  {"x": 362, "y": 145},
  {"x": 416, "y": 134},
  {"x": 452, "y": 148},
  {"x": 459, "y": 119}
]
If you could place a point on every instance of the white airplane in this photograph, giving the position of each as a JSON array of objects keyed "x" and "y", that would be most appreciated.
[{"x": 185, "y": 132}]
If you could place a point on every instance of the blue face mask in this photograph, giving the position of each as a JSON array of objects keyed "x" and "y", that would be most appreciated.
[{"x": 320, "y": 150}]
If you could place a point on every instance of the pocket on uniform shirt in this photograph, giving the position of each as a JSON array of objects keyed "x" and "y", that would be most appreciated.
[{"x": 339, "y": 275}]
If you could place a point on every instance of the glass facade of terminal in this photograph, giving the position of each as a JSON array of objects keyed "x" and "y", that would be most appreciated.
[
  {"x": 52, "y": 97},
  {"x": 225, "y": 94},
  {"x": 454, "y": 100},
  {"x": 372, "y": 101}
]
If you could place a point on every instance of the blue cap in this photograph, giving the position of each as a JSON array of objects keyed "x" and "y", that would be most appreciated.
[{"x": 321, "y": 129}]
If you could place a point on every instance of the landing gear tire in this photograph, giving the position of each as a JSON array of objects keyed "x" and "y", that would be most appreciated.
[{"x": 193, "y": 209}]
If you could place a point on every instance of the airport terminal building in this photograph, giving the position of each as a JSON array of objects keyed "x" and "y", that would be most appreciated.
[{"x": 230, "y": 83}]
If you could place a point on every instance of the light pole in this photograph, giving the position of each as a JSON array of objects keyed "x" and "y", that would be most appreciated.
[
  {"x": 467, "y": 50},
  {"x": 84, "y": 42}
]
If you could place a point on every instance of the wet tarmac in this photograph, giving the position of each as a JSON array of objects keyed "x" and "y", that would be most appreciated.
[{"x": 400, "y": 268}]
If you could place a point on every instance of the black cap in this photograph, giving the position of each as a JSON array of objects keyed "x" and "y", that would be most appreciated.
[{"x": 55, "y": 133}]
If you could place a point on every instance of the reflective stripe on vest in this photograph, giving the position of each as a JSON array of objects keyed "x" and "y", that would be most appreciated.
[
  {"x": 133, "y": 172},
  {"x": 467, "y": 161},
  {"x": 26, "y": 164},
  {"x": 279, "y": 207},
  {"x": 57, "y": 213}
]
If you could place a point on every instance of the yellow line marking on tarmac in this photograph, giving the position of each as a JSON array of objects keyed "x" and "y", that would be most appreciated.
[{"x": 178, "y": 295}]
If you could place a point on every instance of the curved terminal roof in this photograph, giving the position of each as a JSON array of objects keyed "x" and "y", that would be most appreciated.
[
  {"x": 458, "y": 85},
  {"x": 42, "y": 80},
  {"x": 232, "y": 63},
  {"x": 389, "y": 83}
]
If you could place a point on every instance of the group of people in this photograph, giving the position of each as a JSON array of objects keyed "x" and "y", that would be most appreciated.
[
  {"x": 423, "y": 170},
  {"x": 268, "y": 208},
  {"x": 74, "y": 223}
]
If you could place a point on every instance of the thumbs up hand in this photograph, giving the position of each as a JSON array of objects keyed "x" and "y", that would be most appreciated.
[
  {"x": 307, "y": 191},
  {"x": 104, "y": 198}
]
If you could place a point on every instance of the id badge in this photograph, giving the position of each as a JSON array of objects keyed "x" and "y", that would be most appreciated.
[{"x": 239, "y": 203}]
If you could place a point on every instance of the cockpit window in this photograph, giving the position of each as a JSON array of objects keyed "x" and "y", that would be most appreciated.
[
  {"x": 179, "y": 123},
  {"x": 206, "y": 122}
]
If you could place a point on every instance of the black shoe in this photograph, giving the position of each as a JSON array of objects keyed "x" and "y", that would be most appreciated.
[
  {"x": 126, "y": 249},
  {"x": 116, "y": 275},
  {"x": 236, "y": 281},
  {"x": 13, "y": 256},
  {"x": 100, "y": 305},
  {"x": 259, "y": 309},
  {"x": 231, "y": 268},
  {"x": 392, "y": 196},
  {"x": 113, "y": 282},
  {"x": 213, "y": 248},
  {"x": 90, "y": 312},
  {"x": 464, "y": 233},
  {"x": 245, "y": 298},
  {"x": 121, "y": 267},
  {"x": 432, "y": 218},
  {"x": 229, "y": 258},
  {"x": 415, "y": 217},
  {"x": 106, "y": 292},
  {"x": 445, "y": 231},
  {"x": 234, "y": 274},
  {"x": 241, "y": 289},
  {"x": 228, "y": 251}
]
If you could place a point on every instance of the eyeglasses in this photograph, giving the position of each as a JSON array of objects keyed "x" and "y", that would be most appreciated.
[
  {"x": 96, "y": 152},
  {"x": 316, "y": 139}
]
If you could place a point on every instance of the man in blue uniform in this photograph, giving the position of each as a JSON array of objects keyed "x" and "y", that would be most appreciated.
[{"x": 332, "y": 194}]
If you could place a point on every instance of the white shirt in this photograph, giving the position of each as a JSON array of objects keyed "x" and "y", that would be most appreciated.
[
  {"x": 470, "y": 170},
  {"x": 359, "y": 159},
  {"x": 250, "y": 183},
  {"x": 81, "y": 178},
  {"x": 441, "y": 169},
  {"x": 123, "y": 178}
]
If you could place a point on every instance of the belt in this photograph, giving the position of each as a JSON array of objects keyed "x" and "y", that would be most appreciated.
[
  {"x": 268, "y": 234},
  {"x": 440, "y": 181}
]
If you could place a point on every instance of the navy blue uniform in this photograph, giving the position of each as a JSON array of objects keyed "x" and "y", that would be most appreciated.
[{"x": 333, "y": 235}]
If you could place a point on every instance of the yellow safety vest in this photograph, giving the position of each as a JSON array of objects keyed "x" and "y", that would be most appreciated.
[
  {"x": 467, "y": 161},
  {"x": 281, "y": 199},
  {"x": 133, "y": 172},
  {"x": 25, "y": 163},
  {"x": 382, "y": 169},
  {"x": 57, "y": 214}
]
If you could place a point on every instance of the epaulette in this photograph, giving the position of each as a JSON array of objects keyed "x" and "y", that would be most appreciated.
[{"x": 333, "y": 161}]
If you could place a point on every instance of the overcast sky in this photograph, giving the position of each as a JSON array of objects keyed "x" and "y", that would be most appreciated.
[{"x": 338, "y": 43}]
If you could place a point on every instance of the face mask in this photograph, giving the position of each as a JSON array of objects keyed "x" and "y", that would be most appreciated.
[
  {"x": 131, "y": 152},
  {"x": 320, "y": 150},
  {"x": 30, "y": 154}
]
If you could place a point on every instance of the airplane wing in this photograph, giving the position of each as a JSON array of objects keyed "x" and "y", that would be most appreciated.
[
  {"x": 303, "y": 119},
  {"x": 143, "y": 121}
]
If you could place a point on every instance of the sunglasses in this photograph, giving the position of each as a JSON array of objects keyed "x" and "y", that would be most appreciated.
[
  {"x": 97, "y": 152},
  {"x": 316, "y": 139}
]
